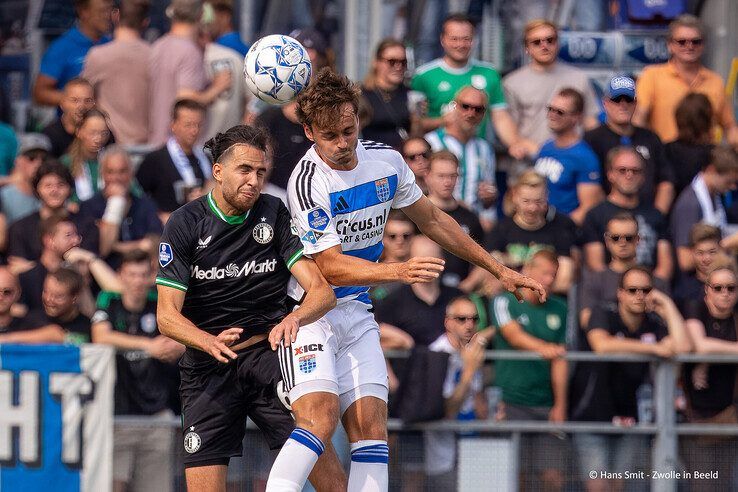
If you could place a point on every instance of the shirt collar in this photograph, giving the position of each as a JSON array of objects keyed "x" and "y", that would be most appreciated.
[{"x": 230, "y": 219}]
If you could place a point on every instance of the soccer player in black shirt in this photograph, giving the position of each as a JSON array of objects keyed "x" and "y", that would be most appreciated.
[{"x": 226, "y": 260}]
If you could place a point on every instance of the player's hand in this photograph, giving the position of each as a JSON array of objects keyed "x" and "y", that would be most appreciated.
[
  {"x": 218, "y": 346},
  {"x": 512, "y": 281},
  {"x": 286, "y": 330},
  {"x": 419, "y": 269}
]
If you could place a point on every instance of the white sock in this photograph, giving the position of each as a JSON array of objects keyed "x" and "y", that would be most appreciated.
[
  {"x": 294, "y": 462},
  {"x": 369, "y": 467}
]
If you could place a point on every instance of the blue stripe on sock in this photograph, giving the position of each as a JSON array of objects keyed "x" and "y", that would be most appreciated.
[
  {"x": 376, "y": 453},
  {"x": 308, "y": 439}
]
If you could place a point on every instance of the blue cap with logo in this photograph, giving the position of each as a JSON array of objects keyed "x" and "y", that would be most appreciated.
[{"x": 621, "y": 86}]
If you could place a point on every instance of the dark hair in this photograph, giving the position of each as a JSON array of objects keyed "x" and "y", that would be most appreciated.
[
  {"x": 614, "y": 152},
  {"x": 76, "y": 153},
  {"x": 723, "y": 159},
  {"x": 637, "y": 268},
  {"x": 56, "y": 168},
  {"x": 225, "y": 6},
  {"x": 370, "y": 81},
  {"x": 457, "y": 17},
  {"x": 622, "y": 217},
  {"x": 321, "y": 101},
  {"x": 133, "y": 13},
  {"x": 413, "y": 139},
  {"x": 221, "y": 143},
  {"x": 575, "y": 96},
  {"x": 400, "y": 216},
  {"x": 69, "y": 278},
  {"x": 694, "y": 118},
  {"x": 135, "y": 256},
  {"x": 186, "y": 104}
]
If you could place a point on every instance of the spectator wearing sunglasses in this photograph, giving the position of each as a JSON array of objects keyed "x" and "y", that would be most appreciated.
[
  {"x": 385, "y": 91},
  {"x": 417, "y": 151},
  {"x": 535, "y": 390},
  {"x": 643, "y": 321},
  {"x": 704, "y": 246},
  {"x": 661, "y": 87},
  {"x": 569, "y": 164},
  {"x": 618, "y": 130},
  {"x": 624, "y": 167},
  {"x": 476, "y": 182},
  {"x": 529, "y": 89},
  {"x": 621, "y": 242}
]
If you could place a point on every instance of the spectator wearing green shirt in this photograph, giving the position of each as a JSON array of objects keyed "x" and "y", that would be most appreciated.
[
  {"x": 535, "y": 390},
  {"x": 441, "y": 79}
]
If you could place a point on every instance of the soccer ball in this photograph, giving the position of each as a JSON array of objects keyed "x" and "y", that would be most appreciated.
[{"x": 277, "y": 68}]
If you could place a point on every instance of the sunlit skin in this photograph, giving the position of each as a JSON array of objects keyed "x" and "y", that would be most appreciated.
[
  {"x": 469, "y": 119},
  {"x": 94, "y": 134},
  {"x": 412, "y": 151},
  {"x": 76, "y": 101},
  {"x": 689, "y": 53},
  {"x": 561, "y": 124},
  {"x": 622, "y": 249},
  {"x": 337, "y": 145},
  {"x": 239, "y": 176},
  {"x": 390, "y": 76},
  {"x": 137, "y": 279},
  {"x": 57, "y": 300},
  {"x": 634, "y": 303},
  {"x": 626, "y": 173},
  {"x": 531, "y": 204},
  {"x": 53, "y": 191},
  {"x": 457, "y": 39},
  {"x": 9, "y": 291},
  {"x": 723, "y": 301},
  {"x": 545, "y": 53},
  {"x": 705, "y": 253},
  {"x": 187, "y": 126},
  {"x": 462, "y": 330},
  {"x": 116, "y": 173},
  {"x": 619, "y": 113},
  {"x": 397, "y": 236},
  {"x": 441, "y": 179},
  {"x": 544, "y": 272}
]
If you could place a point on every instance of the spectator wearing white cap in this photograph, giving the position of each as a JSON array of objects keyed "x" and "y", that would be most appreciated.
[
  {"x": 619, "y": 130},
  {"x": 18, "y": 198}
]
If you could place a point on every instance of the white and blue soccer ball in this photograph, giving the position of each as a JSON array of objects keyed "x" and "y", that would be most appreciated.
[{"x": 277, "y": 68}]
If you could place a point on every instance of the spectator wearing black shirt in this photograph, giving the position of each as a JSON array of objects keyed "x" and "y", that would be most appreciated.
[
  {"x": 59, "y": 321},
  {"x": 418, "y": 309},
  {"x": 144, "y": 373},
  {"x": 179, "y": 171},
  {"x": 625, "y": 173},
  {"x": 704, "y": 246},
  {"x": 644, "y": 321},
  {"x": 127, "y": 220},
  {"x": 417, "y": 151},
  {"x": 288, "y": 140},
  {"x": 441, "y": 181},
  {"x": 78, "y": 98},
  {"x": 9, "y": 294},
  {"x": 690, "y": 152},
  {"x": 534, "y": 225},
  {"x": 601, "y": 287},
  {"x": 618, "y": 130},
  {"x": 386, "y": 93},
  {"x": 710, "y": 388},
  {"x": 53, "y": 185}
]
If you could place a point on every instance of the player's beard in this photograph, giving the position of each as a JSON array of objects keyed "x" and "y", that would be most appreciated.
[{"x": 240, "y": 201}]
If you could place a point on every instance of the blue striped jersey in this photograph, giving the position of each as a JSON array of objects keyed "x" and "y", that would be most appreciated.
[{"x": 330, "y": 207}]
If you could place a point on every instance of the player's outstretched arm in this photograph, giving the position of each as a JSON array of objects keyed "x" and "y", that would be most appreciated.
[
  {"x": 340, "y": 269},
  {"x": 319, "y": 299},
  {"x": 441, "y": 228},
  {"x": 174, "y": 325}
]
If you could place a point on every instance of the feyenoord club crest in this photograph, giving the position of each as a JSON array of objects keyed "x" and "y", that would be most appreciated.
[
  {"x": 383, "y": 189},
  {"x": 192, "y": 441},
  {"x": 263, "y": 232},
  {"x": 307, "y": 363}
]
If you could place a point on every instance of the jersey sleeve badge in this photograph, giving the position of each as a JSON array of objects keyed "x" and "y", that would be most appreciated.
[
  {"x": 318, "y": 219},
  {"x": 166, "y": 255}
]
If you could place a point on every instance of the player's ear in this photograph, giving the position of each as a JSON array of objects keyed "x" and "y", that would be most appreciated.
[
  {"x": 217, "y": 168},
  {"x": 308, "y": 133}
]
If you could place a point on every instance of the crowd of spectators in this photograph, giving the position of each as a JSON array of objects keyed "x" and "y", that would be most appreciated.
[{"x": 610, "y": 217}]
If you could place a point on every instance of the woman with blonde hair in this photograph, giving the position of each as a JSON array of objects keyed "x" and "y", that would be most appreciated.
[{"x": 91, "y": 136}]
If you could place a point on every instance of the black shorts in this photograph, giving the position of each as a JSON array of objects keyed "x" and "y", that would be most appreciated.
[{"x": 217, "y": 398}]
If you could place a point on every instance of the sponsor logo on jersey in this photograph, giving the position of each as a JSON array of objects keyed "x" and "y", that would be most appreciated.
[
  {"x": 444, "y": 86},
  {"x": 233, "y": 271},
  {"x": 318, "y": 219},
  {"x": 383, "y": 189},
  {"x": 148, "y": 322},
  {"x": 165, "y": 254},
  {"x": 553, "y": 321},
  {"x": 310, "y": 237},
  {"x": 307, "y": 363},
  {"x": 311, "y": 347},
  {"x": 192, "y": 441},
  {"x": 341, "y": 205},
  {"x": 263, "y": 232},
  {"x": 203, "y": 243},
  {"x": 479, "y": 82},
  {"x": 346, "y": 226}
]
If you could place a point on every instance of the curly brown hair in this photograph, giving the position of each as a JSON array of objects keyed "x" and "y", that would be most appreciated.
[{"x": 320, "y": 103}]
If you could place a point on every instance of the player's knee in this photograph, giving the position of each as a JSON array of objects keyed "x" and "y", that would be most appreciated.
[{"x": 317, "y": 413}]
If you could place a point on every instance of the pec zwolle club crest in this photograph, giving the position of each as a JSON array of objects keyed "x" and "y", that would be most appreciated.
[
  {"x": 383, "y": 189},
  {"x": 307, "y": 363}
]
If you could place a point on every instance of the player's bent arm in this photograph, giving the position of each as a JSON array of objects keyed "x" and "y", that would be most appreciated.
[
  {"x": 341, "y": 270},
  {"x": 102, "y": 332},
  {"x": 319, "y": 297},
  {"x": 45, "y": 334}
]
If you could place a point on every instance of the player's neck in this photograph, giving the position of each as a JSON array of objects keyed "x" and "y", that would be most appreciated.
[{"x": 225, "y": 207}]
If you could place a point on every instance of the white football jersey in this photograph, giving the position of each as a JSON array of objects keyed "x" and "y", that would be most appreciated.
[{"x": 330, "y": 207}]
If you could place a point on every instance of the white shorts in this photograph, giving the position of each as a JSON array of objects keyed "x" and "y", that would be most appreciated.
[{"x": 339, "y": 354}]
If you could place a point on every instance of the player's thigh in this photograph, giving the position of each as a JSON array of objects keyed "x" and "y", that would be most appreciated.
[
  {"x": 308, "y": 365},
  {"x": 210, "y": 478}
]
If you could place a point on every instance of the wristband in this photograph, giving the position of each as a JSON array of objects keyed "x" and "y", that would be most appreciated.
[{"x": 115, "y": 210}]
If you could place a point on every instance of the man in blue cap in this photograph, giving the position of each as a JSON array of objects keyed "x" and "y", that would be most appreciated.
[{"x": 618, "y": 130}]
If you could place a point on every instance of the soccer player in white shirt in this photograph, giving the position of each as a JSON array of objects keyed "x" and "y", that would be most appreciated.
[{"x": 339, "y": 196}]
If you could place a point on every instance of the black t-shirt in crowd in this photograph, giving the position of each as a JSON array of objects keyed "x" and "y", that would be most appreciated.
[
  {"x": 558, "y": 233},
  {"x": 423, "y": 322},
  {"x": 24, "y": 235},
  {"x": 457, "y": 269},
  {"x": 143, "y": 385},
  {"x": 652, "y": 227},
  {"x": 390, "y": 115},
  {"x": 720, "y": 390},
  {"x": 15, "y": 324},
  {"x": 160, "y": 179},
  {"x": 60, "y": 139},
  {"x": 687, "y": 160},
  {"x": 603, "y": 390},
  {"x": 32, "y": 287},
  {"x": 687, "y": 288},
  {"x": 289, "y": 141},
  {"x": 658, "y": 168},
  {"x": 234, "y": 270},
  {"x": 77, "y": 329}
]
